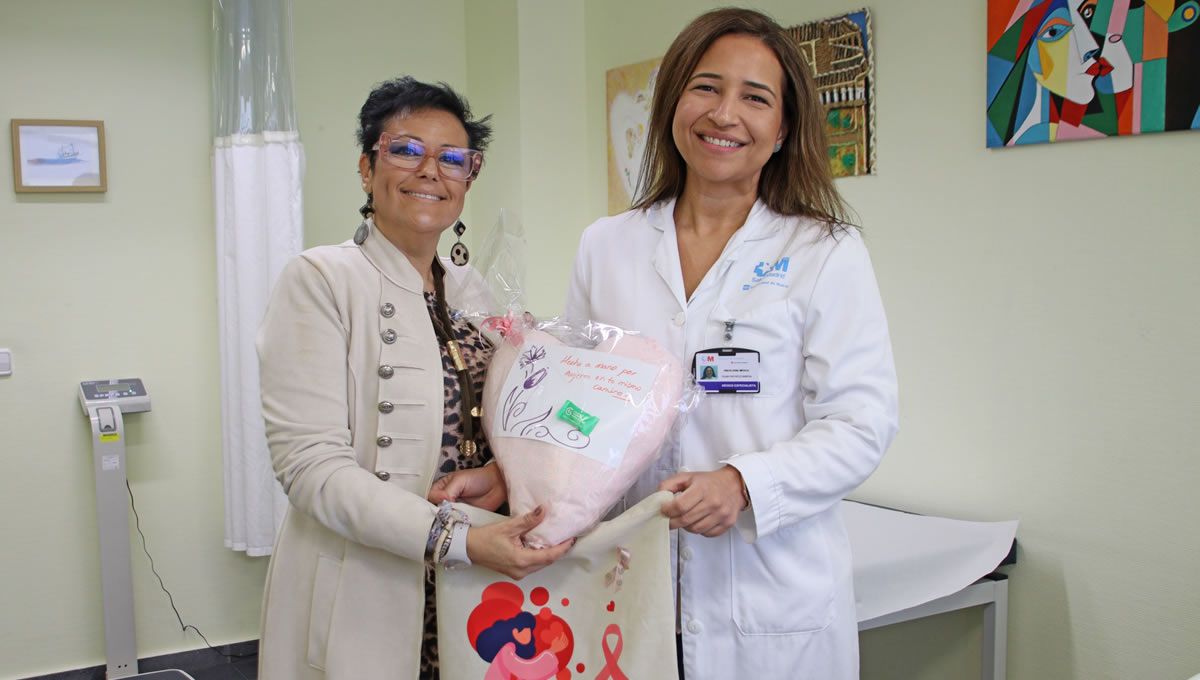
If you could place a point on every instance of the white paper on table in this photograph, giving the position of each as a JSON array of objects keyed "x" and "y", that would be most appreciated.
[
  {"x": 902, "y": 560},
  {"x": 606, "y": 385}
]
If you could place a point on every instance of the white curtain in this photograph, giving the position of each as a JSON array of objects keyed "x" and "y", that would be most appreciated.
[{"x": 258, "y": 169}]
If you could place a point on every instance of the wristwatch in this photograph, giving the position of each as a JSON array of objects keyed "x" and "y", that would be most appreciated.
[{"x": 456, "y": 552}]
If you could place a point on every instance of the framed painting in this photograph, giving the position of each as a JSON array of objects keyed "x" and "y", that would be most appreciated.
[
  {"x": 841, "y": 58},
  {"x": 1061, "y": 70},
  {"x": 58, "y": 156},
  {"x": 629, "y": 91}
]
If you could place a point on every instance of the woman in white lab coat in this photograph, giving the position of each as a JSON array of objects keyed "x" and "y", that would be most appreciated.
[{"x": 736, "y": 257}]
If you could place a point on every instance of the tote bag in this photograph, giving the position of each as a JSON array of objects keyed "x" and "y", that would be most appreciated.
[{"x": 605, "y": 611}]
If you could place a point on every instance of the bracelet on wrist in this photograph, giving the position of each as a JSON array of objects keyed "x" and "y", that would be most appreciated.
[
  {"x": 445, "y": 516},
  {"x": 444, "y": 544}
]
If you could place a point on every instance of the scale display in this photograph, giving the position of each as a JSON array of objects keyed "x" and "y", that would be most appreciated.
[{"x": 105, "y": 390}]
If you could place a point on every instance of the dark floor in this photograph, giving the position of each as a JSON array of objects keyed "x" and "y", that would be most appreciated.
[
  {"x": 237, "y": 669},
  {"x": 233, "y": 669},
  {"x": 238, "y": 661}
]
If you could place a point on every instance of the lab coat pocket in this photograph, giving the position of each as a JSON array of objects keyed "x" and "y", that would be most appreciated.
[
  {"x": 770, "y": 330},
  {"x": 325, "y": 586},
  {"x": 783, "y": 584}
]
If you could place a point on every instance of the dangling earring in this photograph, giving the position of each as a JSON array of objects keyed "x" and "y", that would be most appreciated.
[
  {"x": 366, "y": 211},
  {"x": 459, "y": 254}
]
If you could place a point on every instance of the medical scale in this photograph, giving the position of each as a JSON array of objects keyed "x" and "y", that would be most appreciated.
[{"x": 105, "y": 402}]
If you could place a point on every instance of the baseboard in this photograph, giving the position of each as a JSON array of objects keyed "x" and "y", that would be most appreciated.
[{"x": 187, "y": 661}]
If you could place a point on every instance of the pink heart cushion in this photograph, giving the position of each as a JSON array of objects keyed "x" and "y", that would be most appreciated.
[{"x": 573, "y": 429}]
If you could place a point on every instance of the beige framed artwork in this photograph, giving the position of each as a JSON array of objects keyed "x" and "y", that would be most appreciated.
[
  {"x": 630, "y": 91},
  {"x": 58, "y": 156}
]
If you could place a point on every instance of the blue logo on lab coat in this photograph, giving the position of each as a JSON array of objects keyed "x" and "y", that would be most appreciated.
[
  {"x": 769, "y": 273},
  {"x": 763, "y": 268}
]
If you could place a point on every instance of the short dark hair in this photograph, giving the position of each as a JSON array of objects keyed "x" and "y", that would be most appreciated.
[
  {"x": 796, "y": 180},
  {"x": 402, "y": 96}
]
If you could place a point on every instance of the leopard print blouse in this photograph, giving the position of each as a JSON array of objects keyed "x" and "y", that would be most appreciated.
[{"x": 476, "y": 352}]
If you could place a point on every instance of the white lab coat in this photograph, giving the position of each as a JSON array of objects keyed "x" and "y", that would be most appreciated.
[{"x": 773, "y": 599}]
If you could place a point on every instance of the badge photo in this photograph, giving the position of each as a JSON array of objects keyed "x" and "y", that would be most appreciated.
[{"x": 727, "y": 370}]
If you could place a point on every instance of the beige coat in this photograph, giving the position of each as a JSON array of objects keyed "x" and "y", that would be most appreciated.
[{"x": 355, "y": 451}]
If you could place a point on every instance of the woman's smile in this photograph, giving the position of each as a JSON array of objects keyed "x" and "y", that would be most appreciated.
[
  {"x": 721, "y": 142},
  {"x": 423, "y": 196}
]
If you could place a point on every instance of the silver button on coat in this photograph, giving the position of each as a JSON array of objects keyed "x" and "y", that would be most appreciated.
[
  {"x": 384, "y": 475},
  {"x": 386, "y": 407},
  {"x": 386, "y": 371},
  {"x": 388, "y": 310},
  {"x": 384, "y": 441},
  {"x": 389, "y": 336}
]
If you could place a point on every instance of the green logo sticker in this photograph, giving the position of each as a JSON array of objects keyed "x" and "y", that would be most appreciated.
[{"x": 582, "y": 420}]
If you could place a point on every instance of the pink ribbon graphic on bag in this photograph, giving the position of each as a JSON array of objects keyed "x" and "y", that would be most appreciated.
[{"x": 611, "y": 671}]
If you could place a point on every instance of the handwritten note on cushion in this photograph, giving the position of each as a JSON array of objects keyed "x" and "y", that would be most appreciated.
[{"x": 572, "y": 429}]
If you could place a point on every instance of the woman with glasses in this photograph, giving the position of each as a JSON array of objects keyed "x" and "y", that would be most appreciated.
[
  {"x": 736, "y": 255},
  {"x": 370, "y": 391}
]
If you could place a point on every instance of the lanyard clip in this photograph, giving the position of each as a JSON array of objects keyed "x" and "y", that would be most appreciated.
[{"x": 729, "y": 329}]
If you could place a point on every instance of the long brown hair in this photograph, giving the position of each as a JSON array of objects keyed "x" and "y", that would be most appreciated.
[{"x": 796, "y": 180}]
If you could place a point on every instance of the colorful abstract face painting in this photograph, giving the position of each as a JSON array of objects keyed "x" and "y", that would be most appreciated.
[{"x": 1077, "y": 69}]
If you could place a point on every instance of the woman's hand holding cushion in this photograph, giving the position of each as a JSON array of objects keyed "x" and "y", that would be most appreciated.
[
  {"x": 499, "y": 548},
  {"x": 482, "y": 487}
]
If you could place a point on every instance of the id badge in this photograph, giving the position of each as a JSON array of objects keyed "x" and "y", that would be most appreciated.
[{"x": 727, "y": 370}]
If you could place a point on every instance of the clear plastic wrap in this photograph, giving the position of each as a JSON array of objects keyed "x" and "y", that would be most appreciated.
[{"x": 575, "y": 411}]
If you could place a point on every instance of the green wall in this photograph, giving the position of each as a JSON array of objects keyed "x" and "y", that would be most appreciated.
[
  {"x": 342, "y": 49},
  {"x": 123, "y": 283},
  {"x": 1041, "y": 302},
  {"x": 1042, "y": 305},
  {"x": 115, "y": 284}
]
